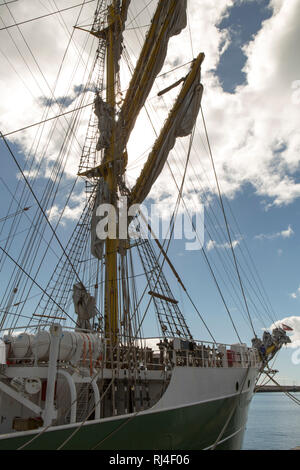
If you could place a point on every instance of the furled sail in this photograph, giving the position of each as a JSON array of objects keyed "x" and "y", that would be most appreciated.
[
  {"x": 85, "y": 306},
  {"x": 119, "y": 30},
  {"x": 179, "y": 124},
  {"x": 104, "y": 114},
  {"x": 102, "y": 197},
  {"x": 169, "y": 20}
]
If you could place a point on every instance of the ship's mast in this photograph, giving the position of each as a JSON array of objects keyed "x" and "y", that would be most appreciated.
[
  {"x": 170, "y": 19},
  {"x": 109, "y": 169},
  {"x": 111, "y": 285}
]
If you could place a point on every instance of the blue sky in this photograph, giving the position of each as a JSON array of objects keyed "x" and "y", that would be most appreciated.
[
  {"x": 276, "y": 257},
  {"x": 253, "y": 126},
  {"x": 243, "y": 21}
]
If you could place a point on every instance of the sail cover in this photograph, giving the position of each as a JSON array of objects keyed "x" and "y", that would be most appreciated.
[
  {"x": 169, "y": 20},
  {"x": 179, "y": 124},
  {"x": 102, "y": 197},
  {"x": 104, "y": 114},
  {"x": 84, "y": 304},
  {"x": 119, "y": 30}
]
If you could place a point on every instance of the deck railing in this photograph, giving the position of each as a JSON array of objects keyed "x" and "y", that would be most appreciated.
[{"x": 161, "y": 353}]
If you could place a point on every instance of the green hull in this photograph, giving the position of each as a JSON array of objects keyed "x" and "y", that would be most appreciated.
[{"x": 194, "y": 427}]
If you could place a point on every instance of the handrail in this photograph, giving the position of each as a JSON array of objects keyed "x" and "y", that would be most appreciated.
[{"x": 156, "y": 352}]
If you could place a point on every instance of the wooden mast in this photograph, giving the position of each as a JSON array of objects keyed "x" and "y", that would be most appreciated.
[
  {"x": 111, "y": 285},
  {"x": 169, "y": 20}
]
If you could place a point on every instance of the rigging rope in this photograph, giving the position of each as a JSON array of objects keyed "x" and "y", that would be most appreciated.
[
  {"x": 41, "y": 288},
  {"x": 21, "y": 211},
  {"x": 208, "y": 263},
  {"x": 79, "y": 426},
  {"x": 44, "y": 16},
  {"x": 85, "y": 420},
  {"x": 172, "y": 228},
  {"x": 146, "y": 6},
  {"x": 203, "y": 251},
  {"x": 220, "y": 251},
  {"x": 258, "y": 276},
  {"x": 226, "y": 222},
  {"x": 38, "y": 203},
  {"x": 232, "y": 411},
  {"x": 177, "y": 204},
  {"x": 50, "y": 177},
  {"x": 6, "y": 3},
  {"x": 292, "y": 397},
  {"x": 44, "y": 121},
  {"x": 35, "y": 61}
]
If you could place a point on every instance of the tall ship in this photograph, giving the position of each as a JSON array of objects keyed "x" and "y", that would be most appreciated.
[{"x": 77, "y": 369}]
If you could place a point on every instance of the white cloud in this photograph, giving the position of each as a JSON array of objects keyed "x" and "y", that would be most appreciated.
[
  {"x": 28, "y": 79},
  {"x": 260, "y": 115},
  {"x": 283, "y": 234},
  {"x": 295, "y": 295},
  {"x": 211, "y": 245},
  {"x": 294, "y": 323},
  {"x": 71, "y": 212},
  {"x": 253, "y": 132},
  {"x": 287, "y": 233}
]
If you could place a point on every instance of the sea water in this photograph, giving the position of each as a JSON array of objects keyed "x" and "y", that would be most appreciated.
[{"x": 273, "y": 423}]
